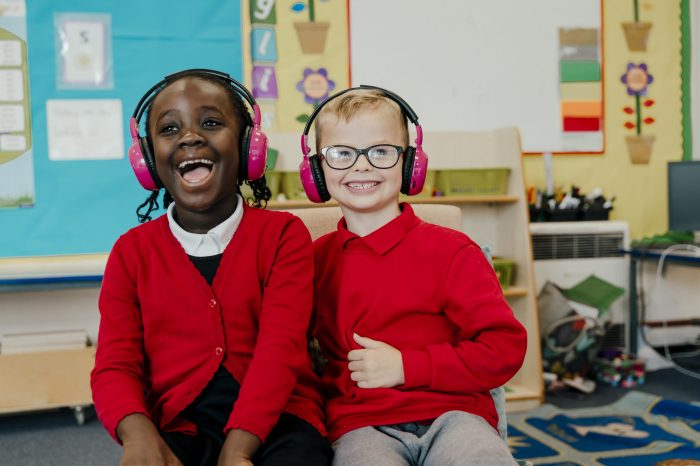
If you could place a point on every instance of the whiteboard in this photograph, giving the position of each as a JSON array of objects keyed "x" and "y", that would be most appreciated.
[{"x": 473, "y": 65}]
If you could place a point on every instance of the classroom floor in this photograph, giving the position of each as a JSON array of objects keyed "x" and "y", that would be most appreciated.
[{"x": 53, "y": 438}]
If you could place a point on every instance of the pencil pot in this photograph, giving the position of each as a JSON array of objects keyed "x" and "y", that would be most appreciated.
[
  {"x": 562, "y": 215},
  {"x": 595, "y": 213},
  {"x": 504, "y": 269},
  {"x": 473, "y": 182}
]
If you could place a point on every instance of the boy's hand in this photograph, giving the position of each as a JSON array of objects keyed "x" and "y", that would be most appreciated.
[
  {"x": 143, "y": 445},
  {"x": 377, "y": 365}
]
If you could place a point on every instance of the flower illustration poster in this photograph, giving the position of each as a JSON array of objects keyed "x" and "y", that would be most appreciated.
[
  {"x": 637, "y": 80},
  {"x": 316, "y": 87},
  {"x": 297, "y": 53}
]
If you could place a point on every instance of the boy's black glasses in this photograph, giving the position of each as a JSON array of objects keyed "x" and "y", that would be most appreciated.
[{"x": 379, "y": 156}]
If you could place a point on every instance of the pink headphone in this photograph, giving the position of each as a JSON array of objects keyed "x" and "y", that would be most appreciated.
[
  {"x": 415, "y": 161},
  {"x": 253, "y": 150}
]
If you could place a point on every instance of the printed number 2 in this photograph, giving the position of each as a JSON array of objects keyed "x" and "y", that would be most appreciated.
[{"x": 263, "y": 8}]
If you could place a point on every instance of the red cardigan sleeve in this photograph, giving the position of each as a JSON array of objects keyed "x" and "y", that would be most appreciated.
[
  {"x": 492, "y": 342},
  {"x": 117, "y": 378},
  {"x": 280, "y": 351}
]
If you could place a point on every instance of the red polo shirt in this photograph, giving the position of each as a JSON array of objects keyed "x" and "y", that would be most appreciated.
[
  {"x": 429, "y": 292},
  {"x": 164, "y": 331}
]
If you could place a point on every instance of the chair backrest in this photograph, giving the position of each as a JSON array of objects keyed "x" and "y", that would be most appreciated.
[{"x": 322, "y": 220}]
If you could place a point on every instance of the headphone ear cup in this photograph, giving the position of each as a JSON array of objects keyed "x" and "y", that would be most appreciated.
[
  {"x": 407, "y": 170},
  {"x": 311, "y": 174},
  {"x": 147, "y": 151},
  {"x": 319, "y": 179},
  {"x": 243, "y": 155},
  {"x": 257, "y": 153}
]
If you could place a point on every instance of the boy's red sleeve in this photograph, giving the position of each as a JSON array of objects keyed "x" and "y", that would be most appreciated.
[
  {"x": 280, "y": 351},
  {"x": 117, "y": 378},
  {"x": 492, "y": 341}
]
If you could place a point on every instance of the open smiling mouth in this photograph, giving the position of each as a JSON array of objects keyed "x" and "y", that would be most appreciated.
[
  {"x": 196, "y": 170},
  {"x": 362, "y": 185}
]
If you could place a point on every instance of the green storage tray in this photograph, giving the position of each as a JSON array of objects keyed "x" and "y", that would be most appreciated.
[
  {"x": 292, "y": 187},
  {"x": 504, "y": 269},
  {"x": 473, "y": 181},
  {"x": 273, "y": 182}
]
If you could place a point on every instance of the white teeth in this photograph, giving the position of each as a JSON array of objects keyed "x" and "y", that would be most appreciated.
[
  {"x": 362, "y": 185},
  {"x": 189, "y": 162}
]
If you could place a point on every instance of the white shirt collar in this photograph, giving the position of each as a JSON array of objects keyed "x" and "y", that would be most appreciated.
[{"x": 212, "y": 242}]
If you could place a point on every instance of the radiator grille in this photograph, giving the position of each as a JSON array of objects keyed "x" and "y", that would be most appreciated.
[{"x": 577, "y": 246}]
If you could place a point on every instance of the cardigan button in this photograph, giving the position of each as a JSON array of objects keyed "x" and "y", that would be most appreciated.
[
  {"x": 219, "y": 351},
  {"x": 212, "y": 303}
]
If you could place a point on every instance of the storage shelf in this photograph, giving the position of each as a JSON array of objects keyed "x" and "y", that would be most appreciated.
[
  {"x": 48, "y": 379},
  {"x": 514, "y": 291},
  {"x": 494, "y": 199},
  {"x": 520, "y": 398}
]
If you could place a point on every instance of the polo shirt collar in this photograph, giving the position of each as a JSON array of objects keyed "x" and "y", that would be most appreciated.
[
  {"x": 384, "y": 238},
  {"x": 212, "y": 242}
]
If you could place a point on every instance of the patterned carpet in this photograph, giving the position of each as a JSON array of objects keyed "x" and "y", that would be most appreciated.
[{"x": 639, "y": 429}]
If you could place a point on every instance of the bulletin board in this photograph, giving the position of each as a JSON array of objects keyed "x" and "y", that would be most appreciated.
[
  {"x": 82, "y": 206},
  {"x": 474, "y": 65}
]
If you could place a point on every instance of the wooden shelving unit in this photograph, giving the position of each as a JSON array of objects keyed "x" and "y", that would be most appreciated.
[
  {"x": 453, "y": 200},
  {"x": 38, "y": 289},
  {"x": 502, "y": 221}
]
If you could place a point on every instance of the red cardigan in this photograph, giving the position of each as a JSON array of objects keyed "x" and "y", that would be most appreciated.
[
  {"x": 164, "y": 331},
  {"x": 428, "y": 291}
]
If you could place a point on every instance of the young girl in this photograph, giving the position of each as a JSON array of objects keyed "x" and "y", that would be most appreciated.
[{"x": 201, "y": 354}]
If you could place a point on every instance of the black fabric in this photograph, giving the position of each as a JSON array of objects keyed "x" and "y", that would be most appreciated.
[
  {"x": 319, "y": 179},
  {"x": 292, "y": 442},
  {"x": 207, "y": 266},
  {"x": 407, "y": 169},
  {"x": 243, "y": 154},
  {"x": 147, "y": 153}
]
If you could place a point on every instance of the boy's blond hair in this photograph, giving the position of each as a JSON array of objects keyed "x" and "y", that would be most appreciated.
[{"x": 351, "y": 103}]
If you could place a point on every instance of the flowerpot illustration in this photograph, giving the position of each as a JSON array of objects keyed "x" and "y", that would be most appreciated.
[
  {"x": 639, "y": 148},
  {"x": 636, "y": 34},
  {"x": 312, "y": 36}
]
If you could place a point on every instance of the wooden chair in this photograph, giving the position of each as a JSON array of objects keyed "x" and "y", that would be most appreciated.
[{"x": 322, "y": 220}]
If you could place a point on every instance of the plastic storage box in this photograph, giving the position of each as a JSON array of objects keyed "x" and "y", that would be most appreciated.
[
  {"x": 428, "y": 187},
  {"x": 273, "y": 182},
  {"x": 504, "y": 269},
  {"x": 473, "y": 182},
  {"x": 292, "y": 187}
]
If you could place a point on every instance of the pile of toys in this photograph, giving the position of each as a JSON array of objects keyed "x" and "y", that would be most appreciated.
[{"x": 615, "y": 367}]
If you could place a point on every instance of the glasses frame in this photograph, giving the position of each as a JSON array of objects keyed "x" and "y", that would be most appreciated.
[{"x": 364, "y": 152}]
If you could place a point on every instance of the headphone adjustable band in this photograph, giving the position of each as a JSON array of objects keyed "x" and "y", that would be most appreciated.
[
  {"x": 403, "y": 105},
  {"x": 240, "y": 89}
]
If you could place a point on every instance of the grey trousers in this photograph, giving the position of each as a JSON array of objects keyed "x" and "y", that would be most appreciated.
[{"x": 454, "y": 439}]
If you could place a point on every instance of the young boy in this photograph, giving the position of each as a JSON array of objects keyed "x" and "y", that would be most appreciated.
[{"x": 410, "y": 315}]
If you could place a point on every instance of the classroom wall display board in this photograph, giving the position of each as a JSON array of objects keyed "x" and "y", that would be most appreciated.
[
  {"x": 84, "y": 199},
  {"x": 16, "y": 154},
  {"x": 295, "y": 55},
  {"x": 474, "y": 66}
]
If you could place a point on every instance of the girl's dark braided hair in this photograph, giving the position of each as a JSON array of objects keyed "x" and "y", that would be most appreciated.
[{"x": 261, "y": 193}]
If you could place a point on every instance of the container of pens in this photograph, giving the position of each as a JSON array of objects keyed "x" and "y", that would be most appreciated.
[{"x": 613, "y": 366}]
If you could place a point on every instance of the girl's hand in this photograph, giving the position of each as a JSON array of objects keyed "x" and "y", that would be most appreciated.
[
  {"x": 239, "y": 448},
  {"x": 377, "y": 365},
  {"x": 143, "y": 445}
]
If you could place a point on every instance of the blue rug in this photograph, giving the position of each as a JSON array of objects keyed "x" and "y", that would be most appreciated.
[{"x": 639, "y": 429}]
